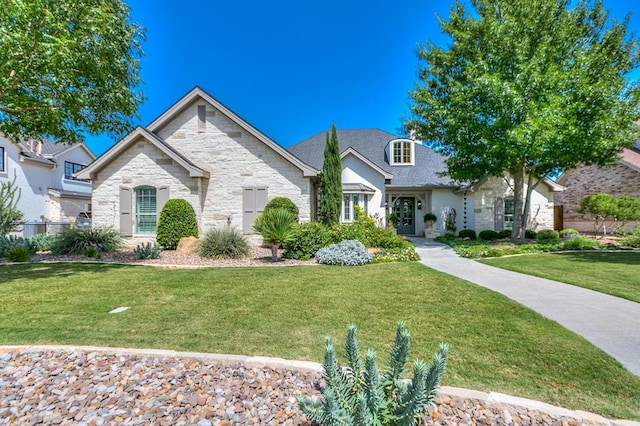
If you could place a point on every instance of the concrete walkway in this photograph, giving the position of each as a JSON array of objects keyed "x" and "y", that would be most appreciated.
[{"x": 610, "y": 323}]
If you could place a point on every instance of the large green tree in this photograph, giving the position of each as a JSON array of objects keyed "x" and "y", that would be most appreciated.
[
  {"x": 526, "y": 89},
  {"x": 331, "y": 180},
  {"x": 68, "y": 68}
]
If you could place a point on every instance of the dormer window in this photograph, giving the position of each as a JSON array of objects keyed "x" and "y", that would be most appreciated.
[{"x": 402, "y": 152}]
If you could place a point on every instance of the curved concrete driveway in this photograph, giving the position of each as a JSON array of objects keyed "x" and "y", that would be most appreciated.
[{"x": 610, "y": 323}]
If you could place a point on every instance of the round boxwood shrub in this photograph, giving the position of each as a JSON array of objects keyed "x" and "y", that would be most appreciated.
[
  {"x": 283, "y": 203},
  {"x": 505, "y": 233},
  {"x": 467, "y": 233},
  {"x": 548, "y": 236},
  {"x": 567, "y": 232},
  {"x": 307, "y": 239},
  {"x": 488, "y": 235},
  {"x": 530, "y": 234},
  {"x": 177, "y": 220}
]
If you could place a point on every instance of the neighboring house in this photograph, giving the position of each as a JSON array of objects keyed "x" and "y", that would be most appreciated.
[
  {"x": 384, "y": 173},
  {"x": 44, "y": 172},
  {"x": 621, "y": 178},
  {"x": 200, "y": 151}
]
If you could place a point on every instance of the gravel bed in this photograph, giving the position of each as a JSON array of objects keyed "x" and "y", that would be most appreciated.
[{"x": 94, "y": 388}]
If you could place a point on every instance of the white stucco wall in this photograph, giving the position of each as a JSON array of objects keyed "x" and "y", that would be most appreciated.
[
  {"x": 354, "y": 170},
  {"x": 440, "y": 200},
  {"x": 32, "y": 178}
]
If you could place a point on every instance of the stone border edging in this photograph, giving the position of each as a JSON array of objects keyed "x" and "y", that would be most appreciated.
[{"x": 262, "y": 361}]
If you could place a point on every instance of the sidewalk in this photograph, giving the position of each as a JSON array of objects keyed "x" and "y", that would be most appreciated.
[{"x": 610, "y": 323}]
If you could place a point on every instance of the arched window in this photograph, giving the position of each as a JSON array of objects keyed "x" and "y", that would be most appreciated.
[{"x": 146, "y": 210}]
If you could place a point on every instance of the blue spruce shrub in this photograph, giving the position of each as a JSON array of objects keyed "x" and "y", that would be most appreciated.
[{"x": 347, "y": 252}]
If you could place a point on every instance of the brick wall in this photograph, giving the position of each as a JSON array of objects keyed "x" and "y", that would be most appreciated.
[{"x": 583, "y": 181}]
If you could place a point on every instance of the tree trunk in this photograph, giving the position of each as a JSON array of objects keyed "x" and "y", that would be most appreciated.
[
  {"x": 519, "y": 198},
  {"x": 274, "y": 252}
]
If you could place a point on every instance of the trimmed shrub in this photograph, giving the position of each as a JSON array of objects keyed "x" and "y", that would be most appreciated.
[
  {"x": 632, "y": 240},
  {"x": 147, "y": 251},
  {"x": 467, "y": 233},
  {"x": 347, "y": 252},
  {"x": 488, "y": 235},
  {"x": 43, "y": 242},
  {"x": 18, "y": 254},
  {"x": 548, "y": 236},
  {"x": 505, "y": 233},
  {"x": 567, "y": 232},
  {"x": 532, "y": 235},
  {"x": 9, "y": 242},
  {"x": 226, "y": 243},
  {"x": 307, "y": 239},
  {"x": 580, "y": 243},
  {"x": 177, "y": 220},
  {"x": 406, "y": 254},
  {"x": 283, "y": 203},
  {"x": 362, "y": 394},
  {"x": 364, "y": 229},
  {"x": 77, "y": 240}
]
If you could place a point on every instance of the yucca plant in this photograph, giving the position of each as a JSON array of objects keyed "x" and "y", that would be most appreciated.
[
  {"x": 276, "y": 226},
  {"x": 358, "y": 395}
]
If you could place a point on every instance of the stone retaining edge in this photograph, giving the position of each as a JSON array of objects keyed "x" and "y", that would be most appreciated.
[{"x": 262, "y": 361}]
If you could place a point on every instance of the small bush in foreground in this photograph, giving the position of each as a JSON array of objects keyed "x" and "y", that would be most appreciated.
[
  {"x": 348, "y": 252},
  {"x": 505, "y": 233},
  {"x": 581, "y": 243},
  {"x": 77, "y": 240},
  {"x": 226, "y": 243},
  {"x": 359, "y": 394},
  {"x": 177, "y": 220},
  {"x": 43, "y": 242},
  {"x": 568, "y": 231},
  {"x": 9, "y": 242},
  {"x": 488, "y": 235},
  {"x": 307, "y": 239},
  {"x": 632, "y": 240},
  {"x": 467, "y": 233},
  {"x": 18, "y": 254},
  {"x": 407, "y": 254},
  {"x": 276, "y": 226},
  {"x": 283, "y": 203},
  {"x": 548, "y": 236},
  {"x": 147, "y": 251},
  {"x": 531, "y": 235}
]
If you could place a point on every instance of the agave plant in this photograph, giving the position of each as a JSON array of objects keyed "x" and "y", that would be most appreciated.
[
  {"x": 277, "y": 227},
  {"x": 358, "y": 395}
]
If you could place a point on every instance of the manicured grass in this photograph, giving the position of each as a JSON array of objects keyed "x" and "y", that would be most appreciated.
[
  {"x": 286, "y": 312},
  {"x": 615, "y": 272}
]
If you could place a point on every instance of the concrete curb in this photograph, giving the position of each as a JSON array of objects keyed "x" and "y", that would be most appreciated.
[{"x": 261, "y": 362}]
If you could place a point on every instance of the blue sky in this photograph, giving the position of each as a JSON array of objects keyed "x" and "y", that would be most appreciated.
[{"x": 291, "y": 68}]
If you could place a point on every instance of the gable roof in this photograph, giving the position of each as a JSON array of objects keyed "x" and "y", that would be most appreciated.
[
  {"x": 47, "y": 151},
  {"x": 90, "y": 171},
  {"x": 198, "y": 92},
  {"x": 631, "y": 157},
  {"x": 371, "y": 144}
]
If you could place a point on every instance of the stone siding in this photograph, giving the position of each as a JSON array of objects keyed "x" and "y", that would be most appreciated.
[
  {"x": 234, "y": 158},
  {"x": 583, "y": 181},
  {"x": 541, "y": 214}
]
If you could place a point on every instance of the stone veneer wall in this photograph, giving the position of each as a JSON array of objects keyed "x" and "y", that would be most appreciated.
[
  {"x": 234, "y": 158},
  {"x": 617, "y": 180},
  {"x": 541, "y": 215}
]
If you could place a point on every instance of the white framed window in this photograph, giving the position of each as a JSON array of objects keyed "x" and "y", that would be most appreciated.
[
  {"x": 146, "y": 210},
  {"x": 402, "y": 152},
  {"x": 350, "y": 201},
  {"x": 3, "y": 161},
  {"x": 509, "y": 211}
]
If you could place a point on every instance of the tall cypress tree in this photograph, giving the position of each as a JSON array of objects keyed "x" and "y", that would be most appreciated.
[{"x": 331, "y": 180}]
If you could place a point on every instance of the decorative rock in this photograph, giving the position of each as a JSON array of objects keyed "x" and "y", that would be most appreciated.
[{"x": 188, "y": 245}]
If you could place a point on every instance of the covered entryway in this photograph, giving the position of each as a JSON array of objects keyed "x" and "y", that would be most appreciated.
[{"x": 404, "y": 209}]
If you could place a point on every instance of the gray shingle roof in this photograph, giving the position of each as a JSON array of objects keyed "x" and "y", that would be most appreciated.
[{"x": 371, "y": 143}]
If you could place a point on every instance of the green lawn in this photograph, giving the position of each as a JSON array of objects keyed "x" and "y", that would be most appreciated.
[
  {"x": 495, "y": 343},
  {"x": 616, "y": 272}
]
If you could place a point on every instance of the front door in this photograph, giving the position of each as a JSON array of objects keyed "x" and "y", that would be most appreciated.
[{"x": 404, "y": 209}]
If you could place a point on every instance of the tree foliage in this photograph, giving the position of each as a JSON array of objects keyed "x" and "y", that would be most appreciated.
[
  {"x": 68, "y": 67},
  {"x": 605, "y": 208},
  {"x": 10, "y": 217},
  {"x": 527, "y": 89},
  {"x": 331, "y": 181}
]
